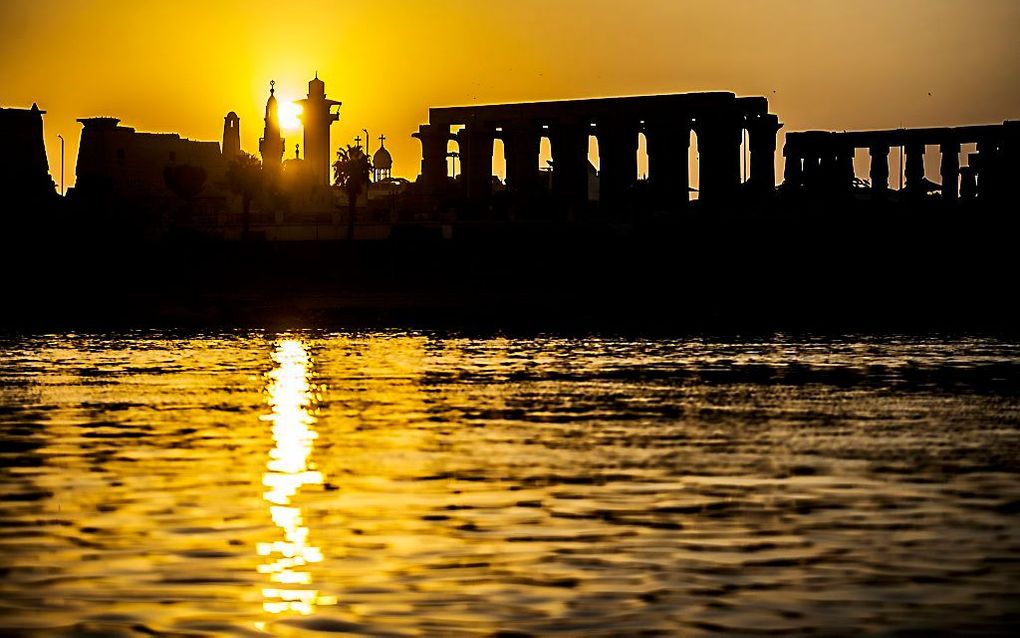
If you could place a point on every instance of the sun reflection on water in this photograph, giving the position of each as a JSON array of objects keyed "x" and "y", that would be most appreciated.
[{"x": 291, "y": 397}]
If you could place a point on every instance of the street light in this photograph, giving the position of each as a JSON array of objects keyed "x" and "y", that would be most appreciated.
[
  {"x": 61, "y": 165},
  {"x": 368, "y": 141}
]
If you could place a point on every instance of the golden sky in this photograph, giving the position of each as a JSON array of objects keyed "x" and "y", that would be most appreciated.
[{"x": 181, "y": 66}]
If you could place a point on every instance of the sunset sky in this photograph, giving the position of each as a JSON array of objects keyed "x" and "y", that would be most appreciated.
[{"x": 181, "y": 66}]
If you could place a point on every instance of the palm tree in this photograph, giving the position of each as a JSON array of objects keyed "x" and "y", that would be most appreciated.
[
  {"x": 351, "y": 172},
  {"x": 244, "y": 176}
]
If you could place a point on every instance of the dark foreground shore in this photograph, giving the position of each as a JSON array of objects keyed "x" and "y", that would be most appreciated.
[{"x": 903, "y": 274}]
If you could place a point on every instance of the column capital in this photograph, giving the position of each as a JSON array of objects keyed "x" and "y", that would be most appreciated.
[
  {"x": 476, "y": 133},
  {"x": 913, "y": 147},
  {"x": 521, "y": 127},
  {"x": 669, "y": 126},
  {"x": 766, "y": 123},
  {"x": 432, "y": 131},
  {"x": 719, "y": 125},
  {"x": 950, "y": 146},
  {"x": 565, "y": 127},
  {"x": 615, "y": 125}
]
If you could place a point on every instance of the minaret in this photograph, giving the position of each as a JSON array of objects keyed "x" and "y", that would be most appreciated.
[
  {"x": 316, "y": 117},
  {"x": 271, "y": 146},
  {"x": 231, "y": 136}
]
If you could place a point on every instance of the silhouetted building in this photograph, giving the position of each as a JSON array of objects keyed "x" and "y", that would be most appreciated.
[
  {"x": 316, "y": 118},
  {"x": 117, "y": 163},
  {"x": 294, "y": 170},
  {"x": 24, "y": 170},
  {"x": 231, "y": 136},
  {"x": 823, "y": 161},
  {"x": 382, "y": 161},
  {"x": 272, "y": 144},
  {"x": 717, "y": 119}
]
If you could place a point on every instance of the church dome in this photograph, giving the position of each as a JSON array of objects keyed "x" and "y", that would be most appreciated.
[{"x": 382, "y": 159}]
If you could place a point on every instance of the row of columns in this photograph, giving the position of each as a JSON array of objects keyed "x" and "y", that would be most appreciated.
[
  {"x": 719, "y": 139},
  {"x": 828, "y": 164}
]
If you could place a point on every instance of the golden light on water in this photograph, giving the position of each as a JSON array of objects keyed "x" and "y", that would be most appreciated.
[
  {"x": 289, "y": 468},
  {"x": 464, "y": 486}
]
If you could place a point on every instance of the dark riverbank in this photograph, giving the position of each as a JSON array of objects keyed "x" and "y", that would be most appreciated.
[{"x": 901, "y": 273}]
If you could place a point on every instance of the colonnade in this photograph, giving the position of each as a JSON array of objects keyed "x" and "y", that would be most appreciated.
[
  {"x": 824, "y": 160},
  {"x": 717, "y": 119}
]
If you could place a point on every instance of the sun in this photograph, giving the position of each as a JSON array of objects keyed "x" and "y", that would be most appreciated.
[{"x": 290, "y": 115}]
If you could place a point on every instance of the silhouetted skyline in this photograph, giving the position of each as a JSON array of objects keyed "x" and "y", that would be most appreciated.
[{"x": 822, "y": 65}]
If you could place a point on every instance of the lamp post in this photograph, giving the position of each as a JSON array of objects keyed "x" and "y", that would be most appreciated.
[
  {"x": 61, "y": 165},
  {"x": 368, "y": 141}
]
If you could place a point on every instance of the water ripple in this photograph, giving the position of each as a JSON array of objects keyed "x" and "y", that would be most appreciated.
[{"x": 418, "y": 484}]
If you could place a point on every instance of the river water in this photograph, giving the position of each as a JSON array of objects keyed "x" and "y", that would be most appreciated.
[{"x": 317, "y": 483}]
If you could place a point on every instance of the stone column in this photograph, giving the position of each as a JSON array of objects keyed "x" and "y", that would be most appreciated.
[
  {"x": 618, "y": 144},
  {"x": 793, "y": 170},
  {"x": 915, "y": 169},
  {"x": 879, "y": 171},
  {"x": 968, "y": 182},
  {"x": 987, "y": 169},
  {"x": 829, "y": 173},
  {"x": 761, "y": 138},
  {"x": 570, "y": 165},
  {"x": 475, "y": 141},
  {"x": 950, "y": 170},
  {"x": 521, "y": 143},
  {"x": 434, "y": 139},
  {"x": 813, "y": 175},
  {"x": 669, "y": 144},
  {"x": 719, "y": 138},
  {"x": 845, "y": 173},
  {"x": 1011, "y": 150}
]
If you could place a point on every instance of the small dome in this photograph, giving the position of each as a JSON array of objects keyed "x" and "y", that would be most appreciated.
[{"x": 382, "y": 159}]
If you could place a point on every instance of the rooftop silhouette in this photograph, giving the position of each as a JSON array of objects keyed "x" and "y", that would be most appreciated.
[{"x": 457, "y": 229}]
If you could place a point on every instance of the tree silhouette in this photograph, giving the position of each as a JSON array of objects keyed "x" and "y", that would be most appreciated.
[
  {"x": 244, "y": 176},
  {"x": 351, "y": 172}
]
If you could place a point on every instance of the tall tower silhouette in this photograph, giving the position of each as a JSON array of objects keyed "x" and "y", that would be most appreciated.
[
  {"x": 231, "y": 136},
  {"x": 271, "y": 145},
  {"x": 316, "y": 117}
]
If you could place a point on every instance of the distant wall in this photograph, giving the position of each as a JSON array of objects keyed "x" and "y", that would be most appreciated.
[{"x": 121, "y": 163}]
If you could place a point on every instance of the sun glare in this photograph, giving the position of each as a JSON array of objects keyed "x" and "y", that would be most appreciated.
[
  {"x": 288, "y": 469},
  {"x": 290, "y": 115}
]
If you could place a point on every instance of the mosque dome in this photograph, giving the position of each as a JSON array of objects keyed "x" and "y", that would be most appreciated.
[{"x": 382, "y": 161}]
